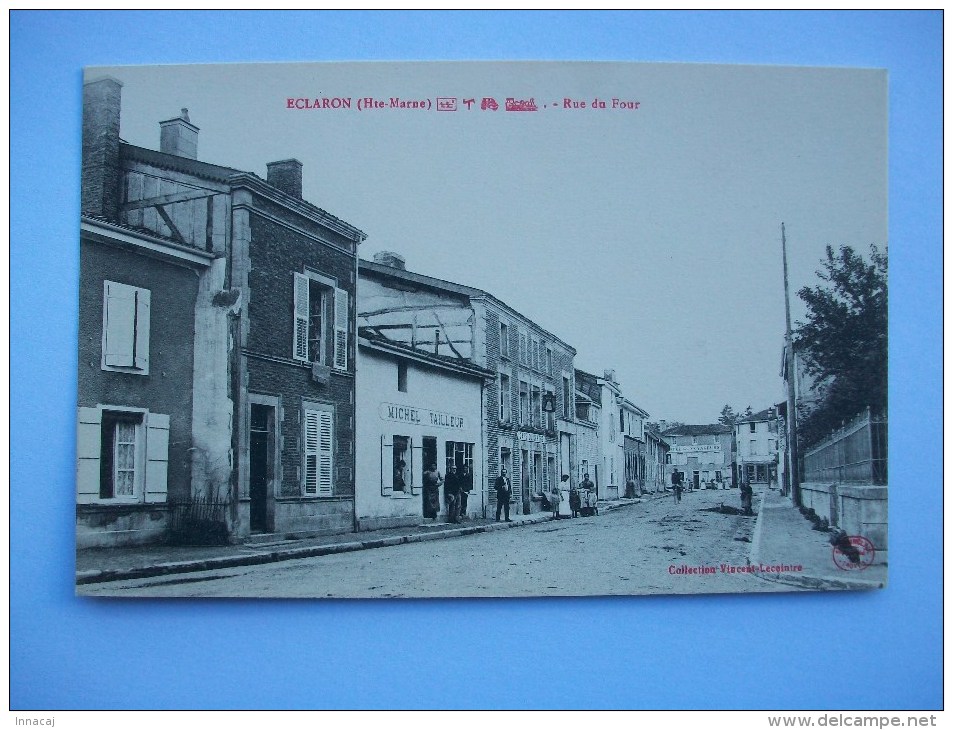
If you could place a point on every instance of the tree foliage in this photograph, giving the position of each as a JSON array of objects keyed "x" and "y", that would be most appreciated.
[
  {"x": 844, "y": 339},
  {"x": 728, "y": 416}
]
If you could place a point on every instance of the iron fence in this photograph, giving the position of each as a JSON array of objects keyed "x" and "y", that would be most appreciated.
[
  {"x": 199, "y": 521},
  {"x": 856, "y": 453}
]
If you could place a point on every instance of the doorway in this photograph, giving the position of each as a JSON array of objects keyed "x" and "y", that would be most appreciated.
[
  {"x": 261, "y": 459},
  {"x": 431, "y": 504}
]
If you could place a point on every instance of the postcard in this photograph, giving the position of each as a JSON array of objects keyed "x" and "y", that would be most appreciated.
[{"x": 481, "y": 329}]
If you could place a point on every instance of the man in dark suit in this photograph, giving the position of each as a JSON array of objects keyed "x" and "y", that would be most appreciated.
[{"x": 503, "y": 492}]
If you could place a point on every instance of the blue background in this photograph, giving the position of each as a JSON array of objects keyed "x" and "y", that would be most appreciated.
[{"x": 790, "y": 651}]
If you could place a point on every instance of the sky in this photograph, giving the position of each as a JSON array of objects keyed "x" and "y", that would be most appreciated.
[{"x": 647, "y": 236}]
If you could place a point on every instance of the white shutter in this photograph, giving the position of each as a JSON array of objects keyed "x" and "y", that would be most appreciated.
[
  {"x": 387, "y": 474},
  {"x": 318, "y": 452},
  {"x": 89, "y": 434},
  {"x": 143, "y": 314},
  {"x": 157, "y": 457},
  {"x": 119, "y": 325},
  {"x": 310, "y": 452},
  {"x": 302, "y": 308},
  {"x": 340, "y": 329},
  {"x": 325, "y": 453}
]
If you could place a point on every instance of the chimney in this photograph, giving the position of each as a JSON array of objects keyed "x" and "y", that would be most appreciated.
[
  {"x": 102, "y": 98},
  {"x": 179, "y": 136},
  {"x": 286, "y": 176},
  {"x": 392, "y": 259},
  {"x": 609, "y": 375}
]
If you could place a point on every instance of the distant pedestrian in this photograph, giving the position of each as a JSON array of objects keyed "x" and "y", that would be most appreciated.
[
  {"x": 432, "y": 484},
  {"x": 466, "y": 485},
  {"x": 503, "y": 491},
  {"x": 746, "y": 494},
  {"x": 630, "y": 488},
  {"x": 451, "y": 494},
  {"x": 564, "y": 490},
  {"x": 554, "y": 498},
  {"x": 677, "y": 485},
  {"x": 575, "y": 501}
]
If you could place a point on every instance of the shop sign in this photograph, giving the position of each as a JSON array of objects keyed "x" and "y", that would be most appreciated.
[
  {"x": 529, "y": 436},
  {"x": 420, "y": 416},
  {"x": 695, "y": 448}
]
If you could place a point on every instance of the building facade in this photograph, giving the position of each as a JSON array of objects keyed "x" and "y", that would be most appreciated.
[
  {"x": 756, "y": 441},
  {"x": 416, "y": 409},
  {"x": 528, "y": 408},
  {"x": 656, "y": 456},
  {"x": 703, "y": 454},
  {"x": 621, "y": 433},
  {"x": 269, "y": 444}
]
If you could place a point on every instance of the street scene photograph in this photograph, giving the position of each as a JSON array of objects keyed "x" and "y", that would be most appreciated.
[{"x": 481, "y": 329}]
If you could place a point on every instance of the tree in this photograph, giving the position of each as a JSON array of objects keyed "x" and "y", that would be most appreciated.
[
  {"x": 844, "y": 339},
  {"x": 728, "y": 416}
]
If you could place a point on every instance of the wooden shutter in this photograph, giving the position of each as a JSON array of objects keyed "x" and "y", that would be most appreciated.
[
  {"x": 156, "y": 487},
  {"x": 88, "y": 451},
  {"x": 143, "y": 314},
  {"x": 340, "y": 329},
  {"x": 302, "y": 307},
  {"x": 119, "y": 325},
  {"x": 318, "y": 453},
  {"x": 387, "y": 474}
]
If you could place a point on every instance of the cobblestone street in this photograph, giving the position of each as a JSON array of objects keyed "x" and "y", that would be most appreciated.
[{"x": 633, "y": 550}]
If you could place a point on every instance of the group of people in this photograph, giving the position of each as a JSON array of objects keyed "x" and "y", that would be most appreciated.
[{"x": 456, "y": 491}]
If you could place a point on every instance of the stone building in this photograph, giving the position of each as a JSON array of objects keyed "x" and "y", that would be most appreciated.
[
  {"x": 756, "y": 441},
  {"x": 263, "y": 337},
  {"x": 702, "y": 453},
  {"x": 528, "y": 408}
]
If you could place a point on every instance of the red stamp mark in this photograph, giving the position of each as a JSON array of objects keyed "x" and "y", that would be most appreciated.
[{"x": 853, "y": 552}]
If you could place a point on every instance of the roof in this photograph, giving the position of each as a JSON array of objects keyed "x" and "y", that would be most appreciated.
[
  {"x": 764, "y": 415},
  {"x": 700, "y": 430},
  {"x": 369, "y": 338},
  {"x": 442, "y": 285},
  {"x": 231, "y": 176}
]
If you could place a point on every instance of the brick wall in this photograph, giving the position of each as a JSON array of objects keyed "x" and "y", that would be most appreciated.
[
  {"x": 276, "y": 252},
  {"x": 167, "y": 388}
]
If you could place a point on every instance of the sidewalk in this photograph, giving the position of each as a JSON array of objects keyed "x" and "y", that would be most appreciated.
[
  {"x": 783, "y": 536},
  {"x": 98, "y": 565}
]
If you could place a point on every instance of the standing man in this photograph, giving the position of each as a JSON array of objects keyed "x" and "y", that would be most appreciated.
[
  {"x": 677, "y": 484},
  {"x": 466, "y": 484},
  {"x": 451, "y": 493},
  {"x": 503, "y": 492}
]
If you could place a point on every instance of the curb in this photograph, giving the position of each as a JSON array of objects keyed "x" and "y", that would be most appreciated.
[
  {"x": 811, "y": 582},
  {"x": 233, "y": 561}
]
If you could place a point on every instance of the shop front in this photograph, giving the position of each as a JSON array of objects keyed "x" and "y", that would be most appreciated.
[{"x": 419, "y": 427}]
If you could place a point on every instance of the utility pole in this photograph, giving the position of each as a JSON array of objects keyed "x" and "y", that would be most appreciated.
[{"x": 793, "y": 479}]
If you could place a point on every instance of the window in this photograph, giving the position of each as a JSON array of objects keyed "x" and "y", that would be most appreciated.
[
  {"x": 402, "y": 376},
  {"x": 582, "y": 410},
  {"x": 402, "y": 473},
  {"x": 126, "y": 314},
  {"x": 120, "y": 463},
  {"x": 524, "y": 349},
  {"x": 537, "y": 407},
  {"x": 321, "y": 316},
  {"x": 524, "y": 403},
  {"x": 504, "y": 397},
  {"x": 122, "y": 456},
  {"x": 318, "y": 427},
  {"x": 753, "y": 446},
  {"x": 549, "y": 361},
  {"x": 504, "y": 340},
  {"x": 534, "y": 354},
  {"x": 537, "y": 473},
  {"x": 621, "y": 421},
  {"x": 752, "y": 426}
]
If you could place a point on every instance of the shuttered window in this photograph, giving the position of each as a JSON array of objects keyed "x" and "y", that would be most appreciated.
[
  {"x": 126, "y": 315},
  {"x": 321, "y": 321},
  {"x": 122, "y": 456},
  {"x": 318, "y": 451}
]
